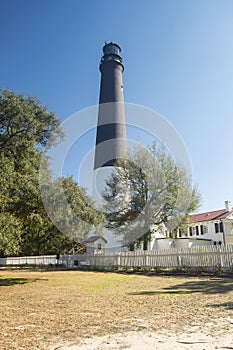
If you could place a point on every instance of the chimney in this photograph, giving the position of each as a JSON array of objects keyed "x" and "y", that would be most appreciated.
[{"x": 228, "y": 205}]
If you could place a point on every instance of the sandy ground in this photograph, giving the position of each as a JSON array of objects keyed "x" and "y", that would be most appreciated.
[
  {"x": 153, "y": 341},
  {"x": 192, "y": 338},
  {"x": 75, "y": 310}
]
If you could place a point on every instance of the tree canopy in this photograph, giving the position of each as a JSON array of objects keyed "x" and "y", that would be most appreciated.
[
  {"x": 148, "y": 192},
  {"x": 25, "y": 228}
]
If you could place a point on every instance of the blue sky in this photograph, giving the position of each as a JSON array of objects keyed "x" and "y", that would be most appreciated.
[{"x": 178, "y": 57}]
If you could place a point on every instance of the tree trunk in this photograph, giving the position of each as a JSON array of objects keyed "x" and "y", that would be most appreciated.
[
  {"x": 145, "y": 243},
  {"x": 131, "y": 247}
]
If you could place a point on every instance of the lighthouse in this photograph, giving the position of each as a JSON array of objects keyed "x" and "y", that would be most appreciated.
[{"x": 111, "y": 143}]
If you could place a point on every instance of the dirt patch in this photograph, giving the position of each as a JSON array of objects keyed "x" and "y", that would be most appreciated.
[{"x": 60, "y": 309}]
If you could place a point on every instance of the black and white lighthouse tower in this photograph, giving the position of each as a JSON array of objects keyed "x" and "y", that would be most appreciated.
[{"x": 111, "y": 143}]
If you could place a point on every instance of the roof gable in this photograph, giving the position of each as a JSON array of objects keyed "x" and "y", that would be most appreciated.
[{"x": 94, "y": 238}]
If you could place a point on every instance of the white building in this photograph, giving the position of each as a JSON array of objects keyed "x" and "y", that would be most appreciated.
[
  {"x": 209, "y": 228},
  {"x": 95, "y": 245},
  {"x": 215, "y": 225}
]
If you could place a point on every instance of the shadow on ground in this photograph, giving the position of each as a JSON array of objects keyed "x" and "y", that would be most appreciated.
[
  {"x": 227, "y": 306},
  {"x": 204, "y": 286},
  {"x": 5, "y": 281}
]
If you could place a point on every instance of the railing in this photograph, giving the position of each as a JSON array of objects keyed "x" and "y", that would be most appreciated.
[{"x": 205, "y": 256}]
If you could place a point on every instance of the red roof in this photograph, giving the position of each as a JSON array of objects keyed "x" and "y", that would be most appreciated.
[{"x": 211, "y": 215}]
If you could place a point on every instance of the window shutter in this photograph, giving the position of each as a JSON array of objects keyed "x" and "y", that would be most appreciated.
[{"x": 221, "y": 226}]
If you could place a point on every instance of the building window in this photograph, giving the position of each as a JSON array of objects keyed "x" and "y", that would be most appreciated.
[
  {"x": 180, "y": 233},
  {"x": 218, "y": 243},
  {"x": 99, "y": 246},
  {"x": 197, "y": 230},
  {"x": 218, "y": 227},
  {"x": 204, "y": 229},
  {"x": 192, "y": 231}
]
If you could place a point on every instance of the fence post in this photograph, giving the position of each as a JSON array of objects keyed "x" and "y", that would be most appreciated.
[
  {"x": 146, "y": 262},
  {"x": 119, "y": 260},
  {"x": 179, "y": 259},
  {"x": 220, "y": 254}
]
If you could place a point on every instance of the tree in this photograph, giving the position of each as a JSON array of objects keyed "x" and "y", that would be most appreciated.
[
  {"x": 148, "y": 191},
  {"x": 25, "y": 228},
  {"x": 10, "y": 234},
  {"x": 25, "y": 127},
  {"x": 71, "y": 209}
]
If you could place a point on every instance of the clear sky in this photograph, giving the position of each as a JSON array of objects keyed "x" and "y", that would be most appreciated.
[{"x": 178, "y": 57}]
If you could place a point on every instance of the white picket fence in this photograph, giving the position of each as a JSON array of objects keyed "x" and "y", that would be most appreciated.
[
  {"x": 209, "y": 257},
  {"x": 29, "y": 260},
  {"x": 206, "y": 256}
]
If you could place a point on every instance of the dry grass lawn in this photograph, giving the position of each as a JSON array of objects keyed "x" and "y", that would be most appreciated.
[{"x": 40, "y": 310}]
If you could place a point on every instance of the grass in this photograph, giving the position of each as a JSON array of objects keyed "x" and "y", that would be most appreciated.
[
  {"x": 40, "y": 309},
  {"x": 8, "y": 281}
]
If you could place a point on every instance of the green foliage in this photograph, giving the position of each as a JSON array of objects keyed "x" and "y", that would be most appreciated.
[
  {"x": 71, "y": 208},
  {"x": 149, "y": 192},
  {"x": 25, "y": 127},
  {"x": 25, "y": 228},
  {"x": 10, "y": 234}
]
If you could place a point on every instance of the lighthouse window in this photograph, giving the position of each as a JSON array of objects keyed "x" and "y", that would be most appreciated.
[{"x": 112, "y": 49}]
